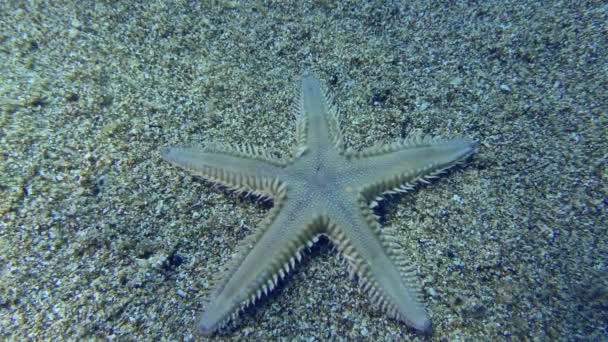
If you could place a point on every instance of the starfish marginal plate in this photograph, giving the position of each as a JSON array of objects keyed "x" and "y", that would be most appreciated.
[{"x": 322, "y": 189}]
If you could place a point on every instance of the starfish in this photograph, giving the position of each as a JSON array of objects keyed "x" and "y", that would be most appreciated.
[{"x": 326, "y": 189}]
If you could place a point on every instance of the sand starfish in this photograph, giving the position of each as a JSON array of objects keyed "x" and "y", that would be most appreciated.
[{"x": 323, "y": 189}]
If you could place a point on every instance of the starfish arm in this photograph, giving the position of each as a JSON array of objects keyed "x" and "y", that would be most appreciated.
[
  {"x": 262, "y": 260},
  {"x": 318, "y": 125},
  {"x": 377, "y": 259},
  {"x": 398, "y": 167},
  {"x": 241, "y": 168}
]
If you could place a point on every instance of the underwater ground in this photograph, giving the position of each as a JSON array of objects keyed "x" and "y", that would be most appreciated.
[{"x": 100, "y": 238}]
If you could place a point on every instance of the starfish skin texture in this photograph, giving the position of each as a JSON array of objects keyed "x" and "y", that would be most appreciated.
[{"x": 322, "y": 189}]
